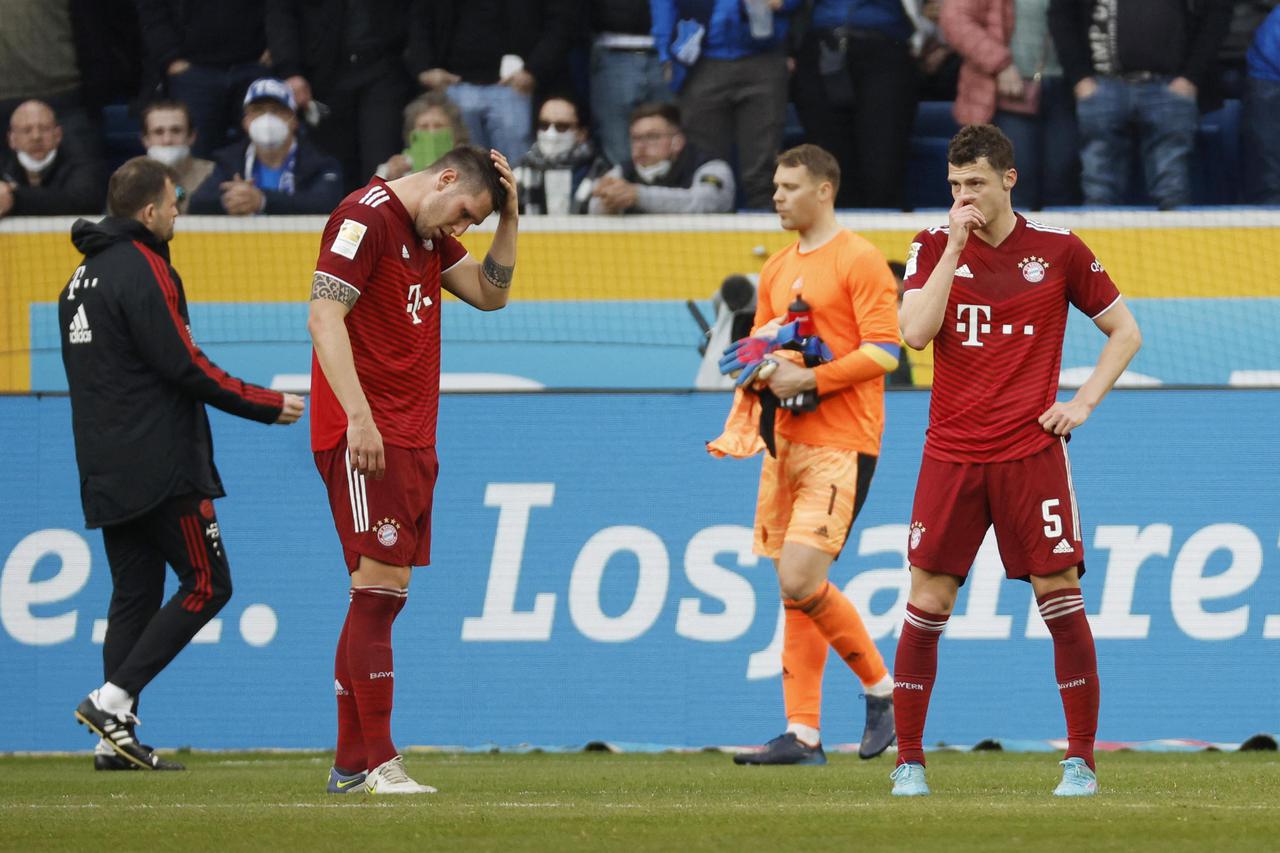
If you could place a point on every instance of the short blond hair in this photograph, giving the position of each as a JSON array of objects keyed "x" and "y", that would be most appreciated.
[{"x": 820, "y": 162}]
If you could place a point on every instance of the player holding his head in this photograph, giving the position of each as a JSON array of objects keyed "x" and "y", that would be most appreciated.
[
  {"x": 387, "y": 251},
  {"x": 812, "y": 491},
  {"x": 991, "y": 290}
]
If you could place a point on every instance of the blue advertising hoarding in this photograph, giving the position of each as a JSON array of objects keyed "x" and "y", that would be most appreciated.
[{"x": 592, "y": 579}]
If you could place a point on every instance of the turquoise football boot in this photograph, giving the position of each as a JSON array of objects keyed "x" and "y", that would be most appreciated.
[
  {"x": 908, "y": 780},
  {"x": 1077, "y": 779}
]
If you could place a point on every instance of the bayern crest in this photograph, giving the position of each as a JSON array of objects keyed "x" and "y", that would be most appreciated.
[
  {"x": 917, "y": 531},
  {"x": 388, "y": 531},
  {"x": 1033, "y": 269}
]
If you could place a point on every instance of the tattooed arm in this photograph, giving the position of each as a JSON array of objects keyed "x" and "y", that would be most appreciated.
[
  {"x": 331, "y": 299},
  {"x": 487, "y": 286}
]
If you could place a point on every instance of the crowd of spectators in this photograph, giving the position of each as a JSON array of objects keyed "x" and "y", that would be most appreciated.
[{"x": 624, "y": 106}]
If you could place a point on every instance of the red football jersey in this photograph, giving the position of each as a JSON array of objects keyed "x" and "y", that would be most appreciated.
[
  {"x": 998, "y": 353},
  {"x": 370, "y": 243}
]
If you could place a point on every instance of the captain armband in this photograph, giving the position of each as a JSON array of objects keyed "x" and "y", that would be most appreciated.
[{"x": 884, "y": 354}]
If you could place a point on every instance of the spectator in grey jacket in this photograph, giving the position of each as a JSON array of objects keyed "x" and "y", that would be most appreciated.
[
  {"x": 43, "y": 177},
  {"x": 665, "y": 173}
]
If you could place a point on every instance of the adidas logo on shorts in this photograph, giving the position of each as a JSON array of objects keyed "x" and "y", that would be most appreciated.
[{"x": 1063, "y": 547}]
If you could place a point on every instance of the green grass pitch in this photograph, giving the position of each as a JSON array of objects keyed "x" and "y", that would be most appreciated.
[{"x": 593, "y": 801}]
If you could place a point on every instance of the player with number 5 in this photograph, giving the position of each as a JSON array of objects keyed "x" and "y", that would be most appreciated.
[{"x": 991, "y": 291}]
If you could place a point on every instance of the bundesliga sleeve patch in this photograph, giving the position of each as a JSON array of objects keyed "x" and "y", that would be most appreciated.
[
  {"x": 912, "y": 264},
  {"x": 348, "y": 239}
]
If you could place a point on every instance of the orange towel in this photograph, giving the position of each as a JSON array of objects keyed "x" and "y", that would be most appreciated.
[{"x": 741, "y": 435}]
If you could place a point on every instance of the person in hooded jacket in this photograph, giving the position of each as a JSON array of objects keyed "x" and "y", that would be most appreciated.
[{"x": 139, "y": 384}]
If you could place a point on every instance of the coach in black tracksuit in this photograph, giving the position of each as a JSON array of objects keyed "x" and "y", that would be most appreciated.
[{"x": 139, "y": 384}]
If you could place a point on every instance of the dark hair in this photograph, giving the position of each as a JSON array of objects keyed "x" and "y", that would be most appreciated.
[
  {"x": 899, "y": 269},
  {"x": 136, "y": 184},
  {"x": 670, "y": 112},
  {"x": 981, "y": 140},
  {"x": 578, "y": 112},
  {"x": 475, "y": 171},
  {"x": 165, "y": 104},
  {"x": 819, "y": 161}
]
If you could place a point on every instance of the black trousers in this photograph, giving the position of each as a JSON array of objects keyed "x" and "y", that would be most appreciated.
[
  {"x": 869, "y": 136},
  {"x": 143, "y": 636},
  {"x": 365, "y": 124}
]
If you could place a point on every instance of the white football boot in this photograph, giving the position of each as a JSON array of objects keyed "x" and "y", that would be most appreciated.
[{"x": 389, "y": 778}]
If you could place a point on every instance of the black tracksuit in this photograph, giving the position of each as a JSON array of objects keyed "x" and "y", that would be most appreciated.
[{"x": 139, "y": 384}]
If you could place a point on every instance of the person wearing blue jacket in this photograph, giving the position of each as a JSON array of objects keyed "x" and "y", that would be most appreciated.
[
  {"x": 1262, "y": 114},
  {"x": 731, "y": 79}
]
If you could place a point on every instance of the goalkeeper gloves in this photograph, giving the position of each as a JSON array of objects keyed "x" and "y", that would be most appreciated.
[{"x": 746, "y": 355}]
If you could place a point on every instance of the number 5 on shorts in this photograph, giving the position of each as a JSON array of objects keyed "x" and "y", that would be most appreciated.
[{"x": 1053, "y": 528}]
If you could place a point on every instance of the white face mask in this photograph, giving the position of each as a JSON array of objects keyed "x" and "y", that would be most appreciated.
[
  {"x": 651, "y": 173},
  {"x": 170, "y": 155},
  {"x": 268, "y": 131},
  {"x": 31, "y": 164},
  {"x": 554, "y": 143}
]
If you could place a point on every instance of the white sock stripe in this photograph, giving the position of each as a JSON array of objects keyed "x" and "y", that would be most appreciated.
[
  {"x": 383, "y": 590},
  {"x": 1059, "y": 603},
  {"x": 925, "y": 621},
  {"x": 1075, "y": 596},
  {"x": 1061, "y": 613},
  {"x": 1063, "y": 608},
  {"x": 925, "y": 624}
]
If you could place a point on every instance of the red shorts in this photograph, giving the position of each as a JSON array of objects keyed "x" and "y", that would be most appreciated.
[
  {"x": 387, "y": 520},
  {"x": 1031, "y": 502}
]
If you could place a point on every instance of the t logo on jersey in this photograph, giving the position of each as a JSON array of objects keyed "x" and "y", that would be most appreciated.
[
  {"x": 970, "y": 326},
  {"x": 78, "y": 282},
  {"x": 973, "y": 320},
  {"x": 416, "y": 302}
]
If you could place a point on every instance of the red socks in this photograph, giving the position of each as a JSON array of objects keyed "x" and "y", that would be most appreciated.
[
  {"x": 1075, "y": 662},
  {"x": 349, "y": 757},
  {"x": 914, "y": 669},
  {"x": 1074, "y": 658},
  {"x": 367, "y": 637}
]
